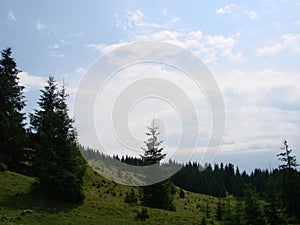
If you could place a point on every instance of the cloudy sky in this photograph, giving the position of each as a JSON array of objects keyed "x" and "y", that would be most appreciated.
[{"x": 251, "y": 47}]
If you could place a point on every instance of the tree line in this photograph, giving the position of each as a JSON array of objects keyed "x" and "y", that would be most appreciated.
[{"x": 278, "y": 189}]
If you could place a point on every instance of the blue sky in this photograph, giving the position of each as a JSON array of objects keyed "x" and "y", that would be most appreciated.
[{"x": 251, "y": 47}]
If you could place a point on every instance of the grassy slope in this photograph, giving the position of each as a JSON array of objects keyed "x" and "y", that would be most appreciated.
[{"x": 104, "y": 204}]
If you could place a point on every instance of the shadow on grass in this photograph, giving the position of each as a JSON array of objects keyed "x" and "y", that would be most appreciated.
[{"x": 36, "y": 201}]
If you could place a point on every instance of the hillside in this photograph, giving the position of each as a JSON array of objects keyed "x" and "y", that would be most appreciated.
[{"x": 104, "y": 204}]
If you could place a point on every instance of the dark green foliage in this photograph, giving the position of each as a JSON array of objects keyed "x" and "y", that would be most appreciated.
[
  {"x": 11, "y": 116},
  {"x": 157, "y": 195},
  {"x": 233, "y": 214},
  {"x": 286, "y": 157},
  {"x": 207, "y": 209},
  {"x": 238, "y": 215},
  {"x": 58, "y": 161},
  {"x": 181, "y": 193},
  {"x": 289, "y": 181},
  {"x": 219, "y": 211},
  {"x": 130, "y": 197},
  {"x": 3, "y": 167},
  {"x": 227, "y": 213},
  {"x": 173, "y": 189},
  {"x": 290, "y": 194},
  {"x": 210, "y": 181},
  {"x": 274, "y": 206},
  {"x": 142, "y": 214},
  {"x": 203, "y": 221},
  {"x": 254, "y": 211}
]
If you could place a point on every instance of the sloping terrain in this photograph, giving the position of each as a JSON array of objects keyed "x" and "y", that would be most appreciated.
[{"x": 104, "y": 204}]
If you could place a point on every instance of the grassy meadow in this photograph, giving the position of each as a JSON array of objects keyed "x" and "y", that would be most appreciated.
[{"x": 104, "y": 204}]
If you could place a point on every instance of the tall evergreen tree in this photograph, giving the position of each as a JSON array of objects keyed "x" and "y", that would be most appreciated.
[
  {"x": 156, "y": 195},
  {"x": 11, "y": 116},
  {"x": 60, "y": 166},
  {"x": 286, "y": 157},
  {"x": 290, "y": 181},
  {"x": 153, "y": 152}
]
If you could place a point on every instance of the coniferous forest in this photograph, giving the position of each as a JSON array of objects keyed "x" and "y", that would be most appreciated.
[{"x": 48, "y": 151}]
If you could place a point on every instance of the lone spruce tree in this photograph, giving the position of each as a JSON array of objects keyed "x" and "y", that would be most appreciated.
[
  {"x": 286, "y": 157},
  {"x": 60, "y": 166},
  {"x": 157, "y": 195},
  {"x": 153, "y": 152},
  {"x": 290, "y": 181},
  {"x": 11, "y": 116}
]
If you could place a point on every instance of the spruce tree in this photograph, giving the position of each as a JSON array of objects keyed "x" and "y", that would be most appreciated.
[
  {"x": 238, "y": 216},
  {"x": 60, "y": 166},
  {"x": 254, "y": 211},
  {"x": 290, "y": 181},
  {"x": 153, "y": 152},
  {"x": 286, "y": 157},
  {"x": 11, "y": 116},
  {"x": 219, "y": 211},
  {"x": 274, "y": 206},
  {"x": 157, "y": 195}
]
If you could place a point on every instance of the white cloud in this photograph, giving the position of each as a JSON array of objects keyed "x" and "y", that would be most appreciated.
[
  {"x": 136, "y": 19},
  {"x": 80, "y": 70},
  {"x": 173, "y": 20},
  {"x": 40, "y": 25},
  {"x": 57, "y": 55},
  {"x": 283, "y": 97},
  {"x": 54, "y": 46},
  {"x": 270, "y": 48},
  {"x": 253, "y": 15},
  {"x": 31, "y": 82},
  {"x": 292, "y": 42},
  {"x": 229, "y": 9},
  {"x": 103, "y": 48},
  {"x": 225, "y": 46},
  {"x": 289, "y": 42},
  {"x": 11, "y": 16},
  {"x": 262, "y": 108},
  {"x": 209, "y": 47}
]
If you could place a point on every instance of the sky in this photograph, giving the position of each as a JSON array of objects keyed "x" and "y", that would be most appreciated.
[{"x": 252, "y": 48}]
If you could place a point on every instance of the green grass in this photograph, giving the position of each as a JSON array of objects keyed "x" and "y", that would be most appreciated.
[{"x": 104, "y": 204}]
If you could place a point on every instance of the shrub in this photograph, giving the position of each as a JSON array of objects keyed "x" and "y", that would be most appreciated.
[
  {"x": 181, "y": 194},
  {"x": 3, "y": 167},
  {"x": 130, "y": 197},
  {"x": 142, "y": 214}
]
